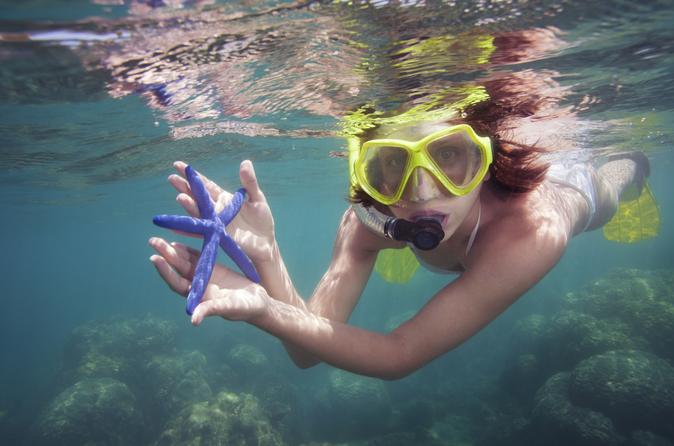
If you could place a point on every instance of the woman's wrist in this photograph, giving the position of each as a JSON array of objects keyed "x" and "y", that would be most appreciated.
[
  {"x": 261, "y": 319},
  {"x": 271, "y": 256}
]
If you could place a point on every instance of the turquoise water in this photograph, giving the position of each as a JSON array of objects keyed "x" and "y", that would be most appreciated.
[{"x": 88, "y": 134}]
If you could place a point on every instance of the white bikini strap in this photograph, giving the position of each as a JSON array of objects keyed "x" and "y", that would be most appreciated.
[{"x": 477, "y": 226}]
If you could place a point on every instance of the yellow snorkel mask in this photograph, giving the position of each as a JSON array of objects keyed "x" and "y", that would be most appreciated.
[{"x": 456, "y": 156}]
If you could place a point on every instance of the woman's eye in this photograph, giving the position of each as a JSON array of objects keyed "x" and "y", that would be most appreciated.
[
  {"x": 394, "y": 162},
  {"x": 447, "y": 154}
]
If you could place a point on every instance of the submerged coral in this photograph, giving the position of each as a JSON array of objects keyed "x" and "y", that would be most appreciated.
[
  {"x": 229, "y": 419},
  {"x": 605, "y": 398},
  {"x": 628, "y": 309},
  {"x": 248, "y": 356},
  {"x": 93, "y": 411},
  {"x": 136, "y": 360},
  {"x": 115, "y": 348},
  {"x": 635, "y": 389},
  {"x": 644, "y": 300},
  {"x": 600, "y": 368},
  {"x": 559, "y": 422},
  {"x": 351, "y": 406},
  {"x": 174, "y": 381}
]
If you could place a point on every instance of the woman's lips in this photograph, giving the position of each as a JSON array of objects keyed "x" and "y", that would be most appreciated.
[{"x": 440, "y": 218}]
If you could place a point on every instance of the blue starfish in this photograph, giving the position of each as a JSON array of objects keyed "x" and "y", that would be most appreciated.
[{"x": 212, "y": 227}]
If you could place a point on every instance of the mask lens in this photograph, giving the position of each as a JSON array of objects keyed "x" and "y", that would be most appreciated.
[
  {"x": 458, "y": 156},
  {"x": 384, "y": 167}
]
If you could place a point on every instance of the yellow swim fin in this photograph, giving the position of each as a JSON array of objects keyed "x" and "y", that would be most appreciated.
[
  {"x": 637, "y": 219},
  {"x": 396, "y": 265}
]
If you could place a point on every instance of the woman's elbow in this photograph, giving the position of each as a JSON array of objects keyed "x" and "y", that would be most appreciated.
[
  {"x": 300, "y": 358},
  {"x": 304, "y": 364},
  {"x": 401, "y": 363},
  {"x": 394, "y": 375},
  {"x": 398, "y": 369}
]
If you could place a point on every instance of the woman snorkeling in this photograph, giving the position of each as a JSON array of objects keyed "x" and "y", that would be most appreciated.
[{"x": 467, "y": 187}]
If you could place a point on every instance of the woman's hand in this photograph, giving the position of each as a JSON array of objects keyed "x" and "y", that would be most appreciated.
[
  {"x": 228, "y": 294},
  {"x": 253, "y": 227}
]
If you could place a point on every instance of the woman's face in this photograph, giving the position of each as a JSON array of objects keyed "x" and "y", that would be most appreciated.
[{"x": 424, "y": 196}]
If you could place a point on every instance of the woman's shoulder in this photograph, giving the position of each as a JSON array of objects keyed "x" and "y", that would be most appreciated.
[
  {"x": 520, "y": 234},
  {"x": 539, "y": 212}
]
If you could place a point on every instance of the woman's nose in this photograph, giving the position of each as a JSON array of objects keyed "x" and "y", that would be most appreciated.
[{"x": 422, "y": 186}]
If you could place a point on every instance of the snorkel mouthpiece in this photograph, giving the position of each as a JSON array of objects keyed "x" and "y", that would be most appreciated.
[{"x": 425, "y": 233}]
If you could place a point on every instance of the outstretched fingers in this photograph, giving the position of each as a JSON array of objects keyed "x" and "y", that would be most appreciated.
[
  {"x": 174, "y": 280},
  {"x": 226, "y": 308},
  {"x": 211, "y": 187},
  {"x": 184, "y": 197},
  {"x": 204, "y": 309},
  {"x": 188, "y": 203},
  {"x": 249, "y": 182},
  {"x": 180, "y": 166},
  {"x": 182, "y": 259},
  {"x": 179, "y": 183}
]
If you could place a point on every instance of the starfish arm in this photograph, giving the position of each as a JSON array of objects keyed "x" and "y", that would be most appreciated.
[
  {"x": 239, "y": 257},
  {"x": 203, "y": 271},
  {"x": 234, "y": 206},
  {"x": 201, "y": 196},
  {"x": 181, "y": 223}
]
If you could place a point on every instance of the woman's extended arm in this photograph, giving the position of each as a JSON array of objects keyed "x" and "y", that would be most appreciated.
[
  {"x": 340, "y": 288},
  {"x": 492, "y": 283},
  {"x": 333, "y": 299},
  {"x": 452, "y": 316},
  {"x": 337, "y": 293},
  {"x": 253, "y": 228}
]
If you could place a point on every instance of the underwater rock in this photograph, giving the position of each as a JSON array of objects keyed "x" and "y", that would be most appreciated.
[
  {"x": 505, "y": 429},
  {"x": 114, "y": 348},
  {"x": 225, "y": 377},
  {"x": 172, "y": 382},
  {"x": 645, "y": 438},
  {"x": 279, "y": 399},
  {"x": 246, "y": 368},
  {"x": 626, "y": 310},
  {"x": 558, "y": 422},
  {"x": 92, "y": 412},
  {"x": 415, "y": 416},
  {"x": 600, "y": 336},
  {"x": 405, "y": 439},
  {"x": 524, "y": 375},
  {"x": 529, "y": 332},
  {"x": 635, "y": 389},
  {"x": 529, "y": 365},
  {"x": 578, "y": 336},
  {"x": 350, "y": 407},
  {"x": 229, "y": 419},
  {"x": 644, "y": 300},
  {"x": 247, "y": 356},
  {"x": 250, "y": 370},
  {"x": 455, "y": 430},
  {"x": 606, "y": 396}
]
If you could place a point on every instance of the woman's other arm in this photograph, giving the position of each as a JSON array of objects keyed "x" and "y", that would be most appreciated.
[{"x": 507, "y": 262}]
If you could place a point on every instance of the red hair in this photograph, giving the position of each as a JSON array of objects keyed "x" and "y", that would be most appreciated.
[
  {"x": 516, "y": 165},
  {"x": 515, "y": 98}
]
